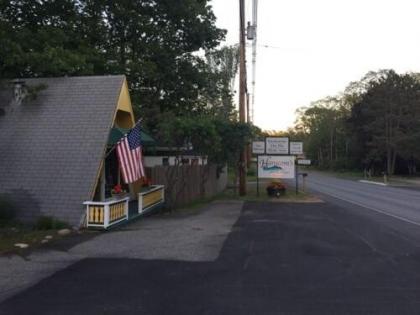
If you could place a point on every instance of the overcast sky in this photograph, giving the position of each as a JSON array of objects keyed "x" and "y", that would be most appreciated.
[{"x": 319, "y": 46}]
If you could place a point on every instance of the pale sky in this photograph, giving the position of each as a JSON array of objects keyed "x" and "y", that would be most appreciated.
[{"x": 319, "y": 46}]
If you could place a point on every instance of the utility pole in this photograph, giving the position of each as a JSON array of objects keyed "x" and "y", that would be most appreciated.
[
  {"x": 242, "y": 90},
  {"x": 249, "y": 121},
  {"x": 254, "y": 54}
]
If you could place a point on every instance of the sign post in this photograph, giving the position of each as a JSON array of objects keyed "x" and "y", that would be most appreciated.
[
  {"x": 258, "y": 147},
  {"x": 258, "y": 180},
  {"x": 297, "y": 179},
  {"x": 296, "y": 148}
]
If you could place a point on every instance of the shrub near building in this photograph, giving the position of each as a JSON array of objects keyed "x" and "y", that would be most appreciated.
[{"x": 7, "y": 211}]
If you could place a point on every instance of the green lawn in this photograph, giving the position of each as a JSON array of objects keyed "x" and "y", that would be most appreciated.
[{"x": 343, "y": 174}]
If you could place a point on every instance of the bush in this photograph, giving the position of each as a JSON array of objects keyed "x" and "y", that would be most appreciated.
[
  {"x": 251, "y": 172},
  {"x": 7, "y": 211},
  {"x": 49, "y": 223}
]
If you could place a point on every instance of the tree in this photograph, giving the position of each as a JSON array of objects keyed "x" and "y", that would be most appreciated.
[
  {"x": 220, "y": 140},
  {"x": 41, "y": 38},
  {"x": 321, "y": 126},
  {"x": 223, "y": 67},
  {"x": 152, "y": 42},
  {"x": 386, "y": 118},
  {"x": 374, "y": 123}
]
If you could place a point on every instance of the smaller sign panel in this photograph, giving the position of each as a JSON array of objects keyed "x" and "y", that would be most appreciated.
[
  {"x": 276, "y": 166},
  {"x": 296, "y": 147},
  {"x": 277, "y": 145},
  {"x": 258, "y": 147},
  {"x": 304, "y": 162}
]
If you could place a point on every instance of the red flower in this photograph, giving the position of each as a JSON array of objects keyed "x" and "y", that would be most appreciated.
[
  {"x": 147, "y": 182},
  {"x": 117, "y": 189}
]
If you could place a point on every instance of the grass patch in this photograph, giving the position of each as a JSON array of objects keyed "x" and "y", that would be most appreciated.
[
  {"x": 345, "y": 174},
  {"x": 230, "y": 194},
  {"x": 33, "y": 235},
  {"x": 289, "y": 196},
  {"x": 9, "y": 236}
]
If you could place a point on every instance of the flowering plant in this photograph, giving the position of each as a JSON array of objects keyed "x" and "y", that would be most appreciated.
[
  {"x": 276, "y": 185},
  {"x": 117, "y": 190},
  {"x": 276, "y": 189},
  {"x": 147, "y": 182}
]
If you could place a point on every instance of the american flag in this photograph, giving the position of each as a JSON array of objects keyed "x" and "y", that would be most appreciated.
[{"x": 130, "y": 156}]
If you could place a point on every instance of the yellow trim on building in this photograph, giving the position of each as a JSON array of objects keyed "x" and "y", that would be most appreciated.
[{"x": 125, "y": 116}]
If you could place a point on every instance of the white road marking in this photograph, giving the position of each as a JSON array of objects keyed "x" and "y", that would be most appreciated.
[
  {"x": 372, "y": 182},
  {"x": 373, "y": 209}
]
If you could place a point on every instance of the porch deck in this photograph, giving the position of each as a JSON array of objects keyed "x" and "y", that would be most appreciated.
[{"x": 114, "y": 212}]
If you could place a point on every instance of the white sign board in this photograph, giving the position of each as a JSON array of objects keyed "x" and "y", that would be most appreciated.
[
  {"x": 277, "y": 145},
  {"x": 296, "y": 147},
  {"x": 304, "y": 162},
  {"x": 258, "y": 147},
  {"x": 276, "y": 166}
]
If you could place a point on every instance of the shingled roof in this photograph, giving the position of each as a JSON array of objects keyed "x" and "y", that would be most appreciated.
[{"x": 52, "y": 146}]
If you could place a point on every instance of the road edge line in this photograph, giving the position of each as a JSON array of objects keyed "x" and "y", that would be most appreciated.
[
  {"x": 372, "y": 182},
  {"x": 376, "y": 210}
]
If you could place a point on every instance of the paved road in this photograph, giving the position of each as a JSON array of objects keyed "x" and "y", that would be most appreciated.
[
  {"x": 278, "y": 258},
  {"x": 401, "y": 203}
]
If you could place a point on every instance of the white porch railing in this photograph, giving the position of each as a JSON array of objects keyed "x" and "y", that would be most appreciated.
[
  {"x": 153, "y": 197},
  {"x": 106, "y": 213}
]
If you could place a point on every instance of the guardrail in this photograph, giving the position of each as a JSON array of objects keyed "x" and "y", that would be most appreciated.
[{"x": 106, "y": 213}]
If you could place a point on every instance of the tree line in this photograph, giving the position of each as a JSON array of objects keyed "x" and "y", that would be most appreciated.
[{"x": 373, "y": 125}]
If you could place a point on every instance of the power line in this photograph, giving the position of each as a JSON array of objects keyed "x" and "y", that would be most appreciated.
[{"x": 267, "y": 46}]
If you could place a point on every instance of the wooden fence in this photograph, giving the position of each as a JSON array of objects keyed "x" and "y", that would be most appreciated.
[{"x": 187, "y": 183}]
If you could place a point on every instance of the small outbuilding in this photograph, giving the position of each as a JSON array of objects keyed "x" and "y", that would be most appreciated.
[{"x": 55, "y": 140}]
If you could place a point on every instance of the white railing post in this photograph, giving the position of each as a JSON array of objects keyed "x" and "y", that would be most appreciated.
[
  {"x": 106, "y": 216},
  {"x": 87, "y": 215},
  {"x": 140, "y": 203},
  {"x": 126, "y": 205}
]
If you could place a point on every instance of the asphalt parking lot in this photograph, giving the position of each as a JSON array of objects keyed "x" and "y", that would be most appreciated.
[{"x": 278, "y": 259}]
